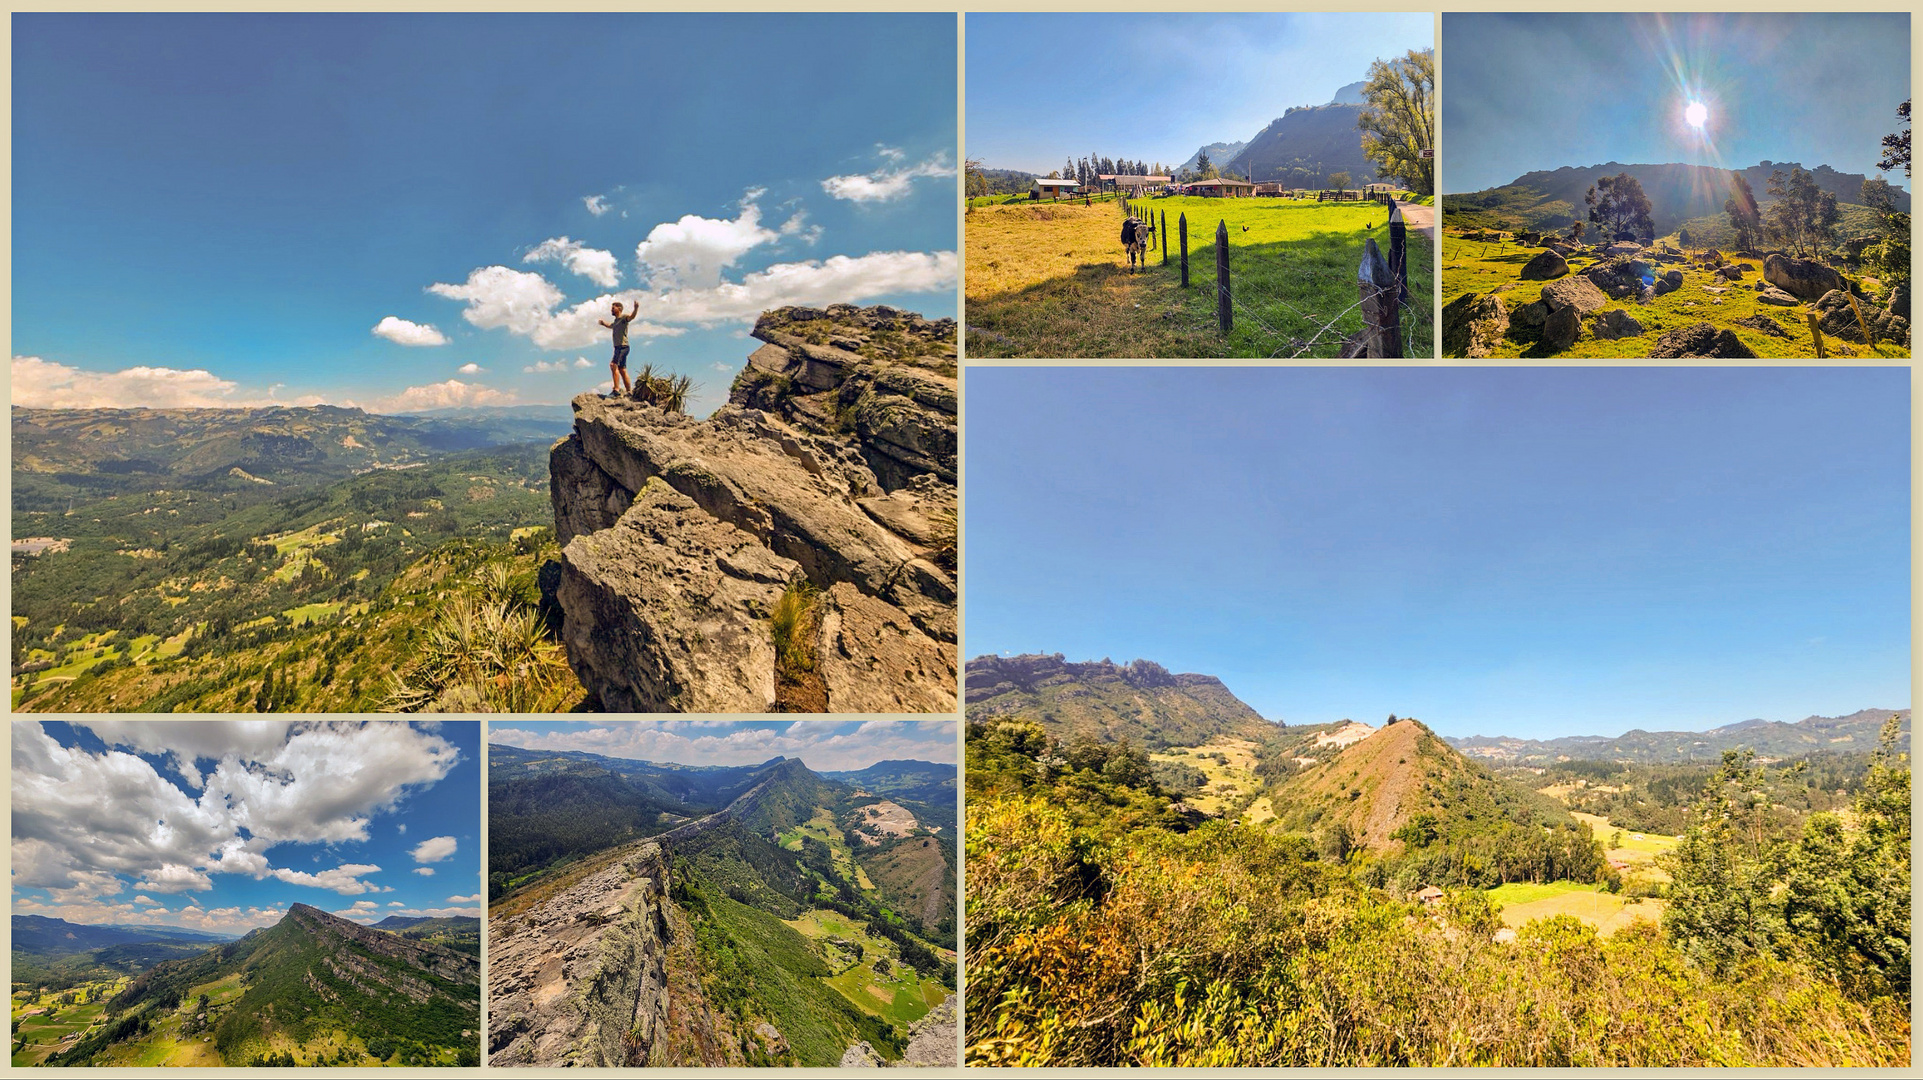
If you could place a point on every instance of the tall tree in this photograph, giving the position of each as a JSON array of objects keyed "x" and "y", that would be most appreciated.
[
  {"x": 1889, "y": 257},
  {"x": 1896, "y": 146},
  {"x": 1398, "y": 122},
  {"x": 1618, "y": 206},
  {"x": 977, "y": 184},
  {"x": 1744, "y": 216},
  {"x": 1804, "y": 216}
]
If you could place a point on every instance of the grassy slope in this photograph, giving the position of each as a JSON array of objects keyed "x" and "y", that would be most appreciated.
[
  {"x": 1052, "y": 280},
  {"x": 1477, "y": 267}
]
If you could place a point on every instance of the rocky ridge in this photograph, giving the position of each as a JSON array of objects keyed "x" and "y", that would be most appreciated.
[{"x": 834, "y": 463}]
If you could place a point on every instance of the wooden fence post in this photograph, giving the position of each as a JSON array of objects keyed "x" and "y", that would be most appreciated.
[
  {"x": 1224, "y": 316},
  {"x": 1816, "y": 334},
  {"x": 1182, "y": 224},
  {"x": 1398, "y": 249},
  {"x": 1163, "y": 233},
  {"x": 1381, "y": 306}
]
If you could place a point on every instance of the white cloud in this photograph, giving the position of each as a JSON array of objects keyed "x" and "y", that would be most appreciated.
[
  {"x": 596, "y": 204},
  {"x": 46, "y": 384},
  {"x": 401, "y": 332},
  {"x": 820, "y": 745},
  {"x": 83, "y": 820},
  {"x": 886, "y": 184},
  {"x": 581, "y": 362},
  {"x": 475, "y": 899},
  {"x": 691, "y": 253},
  {"x": 424, "y": 871},
  {"x": 435, "y": 849},
  {"x": 548, "y": 367},
  {"x": 441, "y": 395},
  {"x": 892, "y": 153},
  {"x": 146, "y": 900},
  {"x": 470, "y": 369},
  {"x": 344, "y": 879},
  {"x": 591, "y": 263},
  {"x": 500, "y": 298},
  {"x": 395, "y": 903},
  {"x": 838, "y": 279}
]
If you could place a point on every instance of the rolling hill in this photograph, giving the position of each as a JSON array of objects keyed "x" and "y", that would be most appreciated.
[
  {"x": 1769, "y": 738},
  {"x": 1304, "y": 146},
  {"x": 1141, "y": 701},
  {"x": 1552, "y": 198},
  {"x": 313, "y": 989},
  {"x": 1220, "y": 153}
]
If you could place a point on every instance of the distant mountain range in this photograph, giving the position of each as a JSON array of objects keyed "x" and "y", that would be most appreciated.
[
  {"x": 1141, "y": 701},
  {"x": 1551, "y": 199},
  {"x": 1220, "y": 153},
  {"x": 1302, "y": 147},
  {"x": 57, "y": 937},
  {"x": 1856, "y": 732}
]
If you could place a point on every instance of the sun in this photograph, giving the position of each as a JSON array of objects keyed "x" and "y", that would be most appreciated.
[{"x": 1697, "y": 114}]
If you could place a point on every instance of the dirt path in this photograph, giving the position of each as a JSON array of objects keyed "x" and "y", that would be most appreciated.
[{"x": 1417, "y": 216}]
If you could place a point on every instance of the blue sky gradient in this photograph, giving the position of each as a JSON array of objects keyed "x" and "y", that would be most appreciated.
[
  {"x": 248, "y": 196},
  {"x": 1529, "y": 552},
  {"x": 1045, "y": 87},
  {"x": 1524, "y": 92},
  {"x": 219, "y": 826}
]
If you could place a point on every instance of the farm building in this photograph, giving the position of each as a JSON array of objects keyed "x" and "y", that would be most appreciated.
[
  {"x": 1054, "y": 189},
  {"x": 1429, "y": 895},
  {"x": 1271, "y": 190},
  {"x": 1132, "y": 183},
  {"x": 1238, "y": 189}
]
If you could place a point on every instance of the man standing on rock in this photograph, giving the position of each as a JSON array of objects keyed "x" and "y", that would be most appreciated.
[{"x": 618, "y": 367}]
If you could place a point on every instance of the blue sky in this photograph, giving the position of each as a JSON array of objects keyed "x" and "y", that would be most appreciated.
[
  {"x": 222, "y": 209},
  {"x": 220, "y": 825},
  {"x": 824, "y": 746},
  {"x": 1515, "y": 551},
  {"x": 1045, "y": 87},
  {"x": 1528, "y": 92}
]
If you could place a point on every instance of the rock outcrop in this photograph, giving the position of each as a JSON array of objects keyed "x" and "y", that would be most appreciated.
[
  {"x": 1546, "y": 265},
  {"x": 830, "y": 474},
  {"x": 581, "y": 978},
  {"x": 1701, "y": 340},
  {"x": 1473, "y": 325}
]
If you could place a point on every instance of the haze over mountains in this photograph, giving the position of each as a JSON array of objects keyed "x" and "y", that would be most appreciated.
[
  {"x": 1856, "y": 732},
  {"x": 1302, "y": 147}
]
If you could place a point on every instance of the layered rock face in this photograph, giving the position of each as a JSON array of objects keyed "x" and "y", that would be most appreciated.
[
  {"x": 581, "y": 978},
  {"x": 834, "y": 463}
]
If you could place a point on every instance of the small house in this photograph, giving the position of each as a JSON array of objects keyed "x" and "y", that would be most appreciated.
[
  {"x": 1131, "y": 183},
  {"x": 1054, "y": 189},
  {"x": 1223, "y": 188},
  {"x": 1430, "y": 896}
]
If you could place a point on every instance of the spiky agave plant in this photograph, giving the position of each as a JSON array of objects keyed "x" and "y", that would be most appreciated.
[
  {"x": 666, "y": 392},
  {"x": 483, "y": 654}
]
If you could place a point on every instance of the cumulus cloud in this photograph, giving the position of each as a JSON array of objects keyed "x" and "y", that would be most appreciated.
[
  {"x": 838, "y": 279},
  {"x": 853, "y": 745},
  {"x": 470, "y": 369},
  {"x": 596, "y": 204},
  {"x": 344, "y": 879},
  {"x": 401, "y": 332},
  {"x": 434, "y": 850},
  {"x": 451, "y": 394},
  {"x": 424, "y": 871},
  {"x": 591, "y": 263},
  {"x": 887, "y": 184},
  {"x": 501, "y": 298},
  {"x": 691, "y": 253},
  {"x": 83, "y": 820},
  {"x": 146, "y": 900},
  {"x": 47, "y": 384},
  {"x": 475, "y": 899},
  {"x": 548, "y": 367}
]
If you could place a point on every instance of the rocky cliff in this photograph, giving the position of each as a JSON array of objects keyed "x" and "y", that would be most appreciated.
[
  {"x": 829, "y": 477},
  {"x": 1140, "y": 701}
]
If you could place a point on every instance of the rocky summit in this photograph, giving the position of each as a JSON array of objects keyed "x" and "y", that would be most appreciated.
[{"x": 826, "y": 483}]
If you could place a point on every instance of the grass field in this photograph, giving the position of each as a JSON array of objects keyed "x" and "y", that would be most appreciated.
[
  {"x": 822, "y": 827},
  {"x": 875, "y": 982},
  {"x": 1474, "y": 267},
  {"x": 1230, "y": 777},
  {"x": 37, "y": 1036},
  {"x": 1052, "y": 281},
  {"x": 1607, "y": 912}
]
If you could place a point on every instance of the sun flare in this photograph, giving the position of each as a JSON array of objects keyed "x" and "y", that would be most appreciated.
[{"x": 1696, "y": 113}]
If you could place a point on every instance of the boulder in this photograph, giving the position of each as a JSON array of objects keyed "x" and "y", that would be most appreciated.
[
  {"x": 1614, "y": 324},
  {"x": 1618, "y": 278},
  {"x": 1545, "y": 265},
  {"x": 1530, "y": 238},
  {"x": 1898, "y": 302},
  {"x": 1701, "y": 341},
  {"x": 1578, "y": 292},
  {"x": 1804, "y": 279},
  {"x": 1770, "y": 294},
  {"x": 1473, "y": 325},
  {"x": 1530, "y": 316},
  {"x": 1838, "y": 319},
  {"x": 1669, "y": 282},
  {"x": 1561, "y": 329},
  {"x": 1732, "y": 271},
  {"x": 1623, "y": 248},
  {"x": 1764, "y": 324}
]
